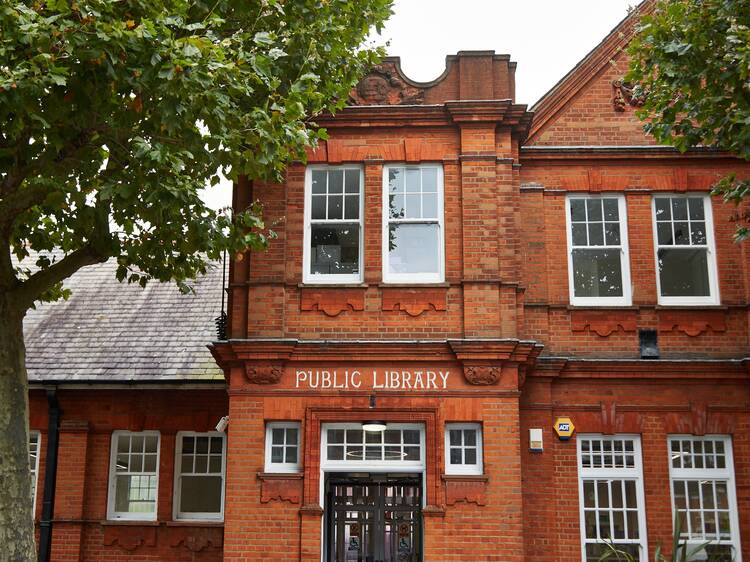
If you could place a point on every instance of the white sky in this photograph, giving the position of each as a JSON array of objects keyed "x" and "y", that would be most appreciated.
[{"x": 545, "y": 37}]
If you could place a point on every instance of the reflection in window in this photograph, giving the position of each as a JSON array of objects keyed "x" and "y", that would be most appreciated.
[
  {"x": 414, "y": 224},
  {"x": 598, "y": 258},
  {"x": 334, "y": 231},
  {"x": 683, "y": 247}
]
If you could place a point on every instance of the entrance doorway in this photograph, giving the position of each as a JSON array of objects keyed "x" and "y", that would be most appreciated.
[{"x": 373, "y": 518}]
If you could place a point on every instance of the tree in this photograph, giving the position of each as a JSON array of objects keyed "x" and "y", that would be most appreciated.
[
  {"x": 113, "y": 115},
  {"x": 691, "y": 59}
]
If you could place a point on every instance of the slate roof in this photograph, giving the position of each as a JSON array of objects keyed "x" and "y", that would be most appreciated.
[{"x": 115, "y": 332}]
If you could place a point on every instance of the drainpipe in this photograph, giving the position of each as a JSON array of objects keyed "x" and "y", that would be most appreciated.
[{"x": 50, "y": 474}]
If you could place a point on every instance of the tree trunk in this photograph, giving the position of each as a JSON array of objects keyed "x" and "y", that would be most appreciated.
[{"x": 16, "y": 516}]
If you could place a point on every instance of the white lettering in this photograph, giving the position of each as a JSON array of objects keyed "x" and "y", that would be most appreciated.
[
  {"x": 355, "y": 382},
  {"x": 301, "y": 376},
  {"x": 444, "y": 376},
  {"x": 325, "y": 379},
  {"x": 406, "y": 379},
  {"x": 375, "y": 383},
  {"x": 418, "y": 382},
  {"x": 431, "y": 379},
  {"x": 395, "y": 379}
]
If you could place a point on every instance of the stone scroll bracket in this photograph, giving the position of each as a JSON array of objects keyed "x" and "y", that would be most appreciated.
[
  {"x": 603, "y": 322},
  {"x": 496, "y": 362},
  {"x": 332, "y": 302},
  {"x": 693, "y": 323},
  {"x": 414, "y": 302},
  {"x": 129, "y": 537}
]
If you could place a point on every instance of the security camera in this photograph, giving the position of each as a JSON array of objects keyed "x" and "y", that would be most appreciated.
[{"x": 222, "y": 424}]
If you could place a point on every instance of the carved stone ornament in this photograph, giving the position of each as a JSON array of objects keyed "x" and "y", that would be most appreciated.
[
  {"x": 384, "y": 86},
  {"x": 625, "y": 93},
  {"x": 264, "y": 374},
  {"x": 482, "y": 375}
]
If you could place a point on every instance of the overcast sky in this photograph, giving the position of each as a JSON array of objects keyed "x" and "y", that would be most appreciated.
[{"x": 545, "y": 37}]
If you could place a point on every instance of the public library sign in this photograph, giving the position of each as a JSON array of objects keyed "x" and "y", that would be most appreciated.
[{"x": 384, "y": 379}]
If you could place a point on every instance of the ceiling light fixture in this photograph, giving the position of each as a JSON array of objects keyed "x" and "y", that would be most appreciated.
[{"x": 374, "y": 426}]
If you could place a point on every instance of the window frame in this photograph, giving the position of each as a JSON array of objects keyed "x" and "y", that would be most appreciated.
[
  {"x": 285, "y": 467},
  {"x": 414, "y": 278},
  {"x": 177, "y": 515},
  {"x": 626, "y": 299},
  {"x": 634, "y": 473},
  {"x": 35, "y": 469},
  {"x": 360, "y": 465},
  {"x": 464, "y": 469},
  {"x": 725, "y": 474},
  {"x": 713, "y": 298},
  {"x": 112, "y": 514},
  {"x": 326, "y": 278}
]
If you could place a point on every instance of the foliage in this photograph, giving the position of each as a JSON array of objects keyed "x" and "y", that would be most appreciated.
[
  {"x": 115, "y": 114},
  {"x": 692, "y": 59},
  {"x": 681, "y": 551}
]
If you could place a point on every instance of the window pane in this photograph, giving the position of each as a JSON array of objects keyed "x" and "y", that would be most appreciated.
[
  {"x": 318, "y": 209},
  {"x": 201, "y": 494},
  {"x": 664, "y": 233},
  {"x": 596, "y": 234},
  {"x": 188, "y": 444},
  {"x": 663, "y": 212},
  {"x": 336, "y": 207},
  {"x": 597, "y": 273},
  {"x": 681, "y": 234},
  {"x": 429, "y": 206},
  {"x": 411, "y": 453},
  {"x": 352, "y": 181},
  {"x": 292, "y": 437},
  {"x": 413, "y": 206},
  {"x": 335, "y": 181},
  {"x": 696, "y": 209},
  {"x": 392, "y": 436},
  {"x": 470, "y": 437},
  {"x": 612, "y": 234},
  {"x": 217, "y": 445},
  {"x": 698, "y": 233},
  {"x": 201, "y": 445},
  {"x": 454, "y": 437},
  {"x": 319, "y": 181},
  {"x": 684, "y": 272},
  {"x": 396, "y": 180},
  {"x": 413, "y": 248},
  {"x": 413, "y": 180},
  {"x": 594, "y": 209},
  {"x": 334, "y": 249},
  {"x": 335, "y": 453},
  {"x": 335, "y": 435},
  {"x": 470, "y": 456},
  {"x": 429, "y": 180},
  {"x": 151, "y": 443},
  {"x": 679, "y": 209},
  {"x": 455, "y": 454},
  {"x": 135, "y": 494},
  {"x": 351, "y": 210},
  {"x": 396, "y": 205},
  {"x": 277, "y": 436},
  {"x": 291, "y": 455},
  {"x": 411, "y": 436},
  {"x": 277, "y": 454},
  {"x": 611, "y": 210},
  {"x": 578, "y": 209},
  {"x": 579, "y": 234}
]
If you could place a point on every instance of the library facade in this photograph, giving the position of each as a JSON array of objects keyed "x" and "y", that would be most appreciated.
[{"x": 482, "y": 333}]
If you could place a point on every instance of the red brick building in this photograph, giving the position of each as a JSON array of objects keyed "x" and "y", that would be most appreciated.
[{"x": 456, "y": 280}]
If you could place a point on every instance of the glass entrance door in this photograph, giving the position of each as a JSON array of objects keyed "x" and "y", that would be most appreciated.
[{"x": 373, "y": 519}]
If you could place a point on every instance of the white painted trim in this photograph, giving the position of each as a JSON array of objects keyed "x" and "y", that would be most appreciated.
[
  {"x": 635, "y": 473},
  {"x": 119, "y": 515},
  {"x": 414, "y": 278},
  {"x": 713, "y": 283},
  {"x": 177, "y": 493},
  {"x": 332, "y": 279},
  {"x": 35, "y": 485},
  {"x": 477, "y": 468},
  {"x": 718, "y": 474},
  {"x": 627, "y": 289},
  {"x": 285, "y": 467}
]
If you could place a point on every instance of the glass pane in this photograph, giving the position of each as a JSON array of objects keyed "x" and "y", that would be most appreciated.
[
  {"x": 696, "y": 209},
  {"x": 612, "y": 234},
  {"x": 352, "y": 181},
  {"x": 291, "y": 455},
  {"x": 152, "y": 443},
  {"x": 351, "y": 210},
  {"x": 470, "y": 437},
  {"x": 214, "y": 464},
  {"x": 630, "y": 497},
  {"x": 597, "y": 273},
  {"x": 594, "y": 209},
  {"x": 335, "y": 435},
  {"x": 698, "y": 233},
  {"x": 678, "y": 488},
  {"x": 578, "y": 209},
  {"x": 136, "y": 443},
  {"x": 681, "y": 234},
  {"x": 454, "y": 437},
  {"x": 136, "y": 463},
  {"x": 618, "y": 522},
  {"x": 413, "y": 206},
  {"x": 470, "y": 456},
  {"x": 611, "y": 210},
  {"x": 429, "y": 180},
  {"x": 392, "y": 436},
  {"x": 413, "y": 248},
  {"x": 411, "y": 436},
  {"x": 318, "y": 209},
  {"x": 335, "y": 181},
  {"x": 396, "y": 205},
  {"x": 396, "y": 180},
  {"x": 217, "y": 445},
  {"x": 596, "y": 234},
  {"x": 413, "y": 180},
  {"x": 201, "y": 494},
  {"x": 662, "y": 209},
  {"x": 335, "y": 453},
  {"x": 633, "y": 524},
  {"x": 201, "y": 445},
  {"x": 392, "y": 453},
  {"x": 579, "y": 234},
  {"x": 679, "y": 209},
  {"x": 588, "y": 494},
  {"x": 277, "y": 436},
  {"x": 411, "y": 453},
  {"x": 186, "y": 464},
  {"x": 722, "y": 501},
  {"x": 664, "y": 233},
  {"x": 292, "y": 437},
  {"x": 201, "y": 464},
  {"x": 318, "y": 181},
  {"x": 334, "y": 249},
  {"x": 683, "y": 272},
  {"x": 277, "y": 454},
  {"x": 590, "y": 524},
  {"x": 354, "y": 436},
  {"x": 602, "y": 490},
  {"x": 188, "y": 444},
  {"x": 617, "y": 500},
  {"x": 430, "y": 206},
  {"x": 335, "y": 206},
  {"x": 373, "y": 436},
  {"x": 373, "y": 453},
  {"x": 455, "y": 454},
  {"x": 122, "y": 464},
  {"x": 149, "y": 463},
  {"x": 354, "y": 452}
]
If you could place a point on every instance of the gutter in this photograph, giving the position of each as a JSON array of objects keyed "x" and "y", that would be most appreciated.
[{"x": 50, "y": 476}]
